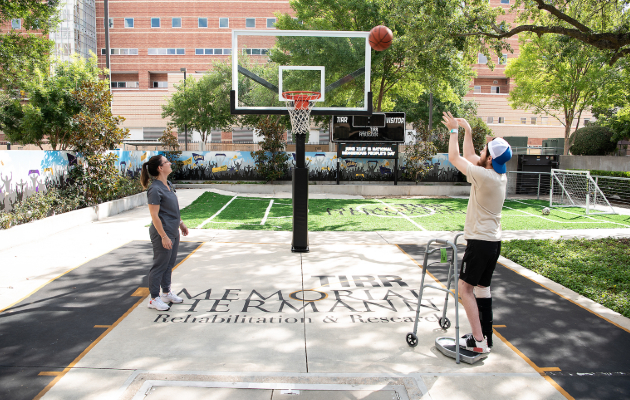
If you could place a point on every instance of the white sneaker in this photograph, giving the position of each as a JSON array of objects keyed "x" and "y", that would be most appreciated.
[
  {"x": 469, "y": 342},
  {"x": 171, "y": 297},
  {"x": 158, "y": 304}
]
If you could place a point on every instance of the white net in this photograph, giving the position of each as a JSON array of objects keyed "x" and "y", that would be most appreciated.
[
  {"x": 577, "y": 189},
  {"x": 300, "y": 118}
]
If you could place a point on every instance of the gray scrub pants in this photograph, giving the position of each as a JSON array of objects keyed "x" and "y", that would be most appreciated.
[{"x": 163, "y": 263}]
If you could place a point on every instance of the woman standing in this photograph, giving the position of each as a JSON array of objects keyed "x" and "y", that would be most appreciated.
[{"x": 164, "y": 231}]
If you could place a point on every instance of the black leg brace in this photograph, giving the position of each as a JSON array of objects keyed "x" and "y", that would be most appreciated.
[{"x": 485, "y": 317}]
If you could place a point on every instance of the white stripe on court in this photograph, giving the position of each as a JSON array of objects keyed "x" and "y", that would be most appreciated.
[
  {"x": 596, "y": 221},
  {"x": 266, "y": 213},
  {"x": 217, "y": 213},
  {"x": 403, "y": 215}
]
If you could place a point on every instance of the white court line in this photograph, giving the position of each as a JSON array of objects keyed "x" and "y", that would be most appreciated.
[
  {"x": 403, "y": 215},
  {"x": 266, "y": 213},
  {"x": 595, "y": 221},
  {"x": 217, "y": 213}
]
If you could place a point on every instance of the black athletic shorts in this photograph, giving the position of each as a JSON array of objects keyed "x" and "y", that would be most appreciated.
[{"x": 479, "y": 261}]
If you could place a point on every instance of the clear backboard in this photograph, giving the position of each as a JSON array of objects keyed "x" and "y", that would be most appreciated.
[{"x": 266, "y": 63}]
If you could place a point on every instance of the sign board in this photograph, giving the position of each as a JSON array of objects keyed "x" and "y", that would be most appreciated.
[
  {"x": 379, "y": 127},
  {"x": 367, "y": 150}
]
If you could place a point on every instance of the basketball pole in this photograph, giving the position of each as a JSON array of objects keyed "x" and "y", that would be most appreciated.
[{"x": 299, "y": 244}]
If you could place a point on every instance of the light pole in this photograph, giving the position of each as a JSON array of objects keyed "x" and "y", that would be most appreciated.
[{"x": 185, "y": 126}]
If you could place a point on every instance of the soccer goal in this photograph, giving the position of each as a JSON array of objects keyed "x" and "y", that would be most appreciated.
[{"x": 577, "y": 189}]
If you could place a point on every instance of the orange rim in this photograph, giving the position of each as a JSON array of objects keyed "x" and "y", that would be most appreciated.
[{"x": 301, "y": 98}]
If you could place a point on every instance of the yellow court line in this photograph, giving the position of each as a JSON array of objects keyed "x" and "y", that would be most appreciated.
[
  {"x": 59, "y": 276},
  {"x": 84, "y": 352},
  {"x": 566, "y": 298},
  {"x": 541, "y": 371},
  {"x": 49, "y": 373},
  {"x": 498, "y": 326},
  {"x": 550, "y": 369},
  {"x": 191, "y": 253},
  {"x": 102, "y": 326}
]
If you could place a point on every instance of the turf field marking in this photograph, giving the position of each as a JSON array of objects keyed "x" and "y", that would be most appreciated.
[
  {"x": 266, "y": 213},
  {"x": 595, "y": 221},
  {"x": 572, "y": 213},
  {"x": 403, "y": 215},
  {"x": 217, "y": 213}
]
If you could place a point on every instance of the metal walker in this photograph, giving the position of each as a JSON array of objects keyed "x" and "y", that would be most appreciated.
[{"x": 446, "y": 345}]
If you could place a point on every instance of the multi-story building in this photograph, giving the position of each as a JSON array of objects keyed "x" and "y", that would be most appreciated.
[{"x": 76, "y": 34}]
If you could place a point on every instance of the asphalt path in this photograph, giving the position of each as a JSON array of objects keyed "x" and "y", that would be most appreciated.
[
  {"x": 42, "y": 335},
  {"x": 583, "y": 353}
]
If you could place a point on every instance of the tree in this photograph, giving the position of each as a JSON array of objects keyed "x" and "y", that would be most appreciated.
[
  {"x": 203, "y": 104},
  {"x": 420, "y": 59},
  {"x": 417, "y": 155},
  {"x": 601, "y": 24},
  {"x": 48, "y": 114},
  {"x": 96, "y": 130},
  {"x": 170, "y": 143},
  {"x": 271, "y": 160},
  {"x": 592, "y": 141},
  {"x": 561, "y": 77},
  {"x": 21, "y": 53}
]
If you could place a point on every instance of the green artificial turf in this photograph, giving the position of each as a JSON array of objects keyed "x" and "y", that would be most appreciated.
[
  {"x": 442, "y": 214},
  {"x": 597, "y": 269}
]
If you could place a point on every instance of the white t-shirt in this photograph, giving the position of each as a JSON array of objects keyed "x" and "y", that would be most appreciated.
[{"x": 487, "y": 194}]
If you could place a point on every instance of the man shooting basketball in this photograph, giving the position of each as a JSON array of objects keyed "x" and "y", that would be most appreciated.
[{"x": 487, "y": 175}]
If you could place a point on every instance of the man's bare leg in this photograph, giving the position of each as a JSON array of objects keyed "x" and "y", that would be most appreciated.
[{"x": 470, "y": 305}]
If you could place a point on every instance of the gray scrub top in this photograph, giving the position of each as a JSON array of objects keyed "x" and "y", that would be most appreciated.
[{"x": 159, "y": 195}]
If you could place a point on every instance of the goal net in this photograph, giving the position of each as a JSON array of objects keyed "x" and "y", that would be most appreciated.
[{"x": 577, "y": 189}]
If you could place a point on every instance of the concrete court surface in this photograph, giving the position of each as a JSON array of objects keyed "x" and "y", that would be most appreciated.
[{"x": 251, "y": 331}]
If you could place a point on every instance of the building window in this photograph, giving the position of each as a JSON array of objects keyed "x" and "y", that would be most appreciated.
[
  {"x": 16, "y": 23},
  {"x": 176, "y": 23},
  {"x": 503, "y": 59},
  {"x": 533, "y": 120},
  {"x": 209, "y": 52},
  {"x": 157, "y": 84},
  {"x": 203, "y": 23},
  {"x": 477, "y": 89},
  {"x": 124, "y": 52},
  {"x": 544, "y": 120},
  {"x": 257, "y": 52},
  {"x": 128, "y": 22},
  {"x": 586, "y": 121},
  {"x": 271, "y": 22},
  {"x": 481, "y": 59},
  {"x": 111, "y": 22},
  {"x": 490, "y": 120},
  {"x": 524, "y": 121},
  {"x": 250, "y": 22},
  {"x": 169, "y": 52},
  {"x": 505, "y": 1},
  {"x": 495, "y": 89},
  {"x": 501, "y": 120},
  {"x": 224, "y": 22},
  {"x": 155, "y": 22},
  {"x": 125, "y": 84}
]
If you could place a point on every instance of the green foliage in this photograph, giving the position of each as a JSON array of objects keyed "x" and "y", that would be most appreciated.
[
  {"x": 480, "y": 132},
  {"x": 596, "y": 269},
  {"x": 95, "y": 132},
  {"x": 417, "y": 155},
  {"x": 592, "y": 141},
  {"x": 271, "y": 160},
  {"x": 562, "y": 78},
  {"x": 618, "y": 174},
  {"x": 203, "y": 104},
  {"x": 22, "y": 53},
  {"x": 51, "y": 105}
]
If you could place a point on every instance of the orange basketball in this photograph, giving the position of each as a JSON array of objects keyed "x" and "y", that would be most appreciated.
[{"x": 381, "y": 37}]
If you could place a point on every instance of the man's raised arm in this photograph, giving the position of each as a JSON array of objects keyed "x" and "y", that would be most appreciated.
[
  {"x": 453, "y": 146},
  {"x": 469, "y": 148}
]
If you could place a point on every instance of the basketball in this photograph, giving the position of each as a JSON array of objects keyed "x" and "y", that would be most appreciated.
[{"x": 381, "y": 37}]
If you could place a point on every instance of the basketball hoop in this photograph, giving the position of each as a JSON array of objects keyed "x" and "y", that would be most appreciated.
[{"x": 299, "y": 104}]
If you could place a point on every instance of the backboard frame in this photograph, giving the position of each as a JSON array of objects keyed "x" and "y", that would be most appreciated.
[{"x": 235, "y": 109}]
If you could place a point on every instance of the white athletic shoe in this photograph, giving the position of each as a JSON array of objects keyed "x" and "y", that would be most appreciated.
[
  {"x": 469, "y": 342},
  {"x": 171, "y": 297},
  {"x": 158, "y": 304}
]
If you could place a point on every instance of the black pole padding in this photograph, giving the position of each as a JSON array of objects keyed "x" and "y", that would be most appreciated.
[
  {"x": 300, "y": 210},
  {"x": 396, "y": 170}
]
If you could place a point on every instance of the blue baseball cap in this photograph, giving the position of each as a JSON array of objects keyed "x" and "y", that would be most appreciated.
[{"x": 501, "y": 153}]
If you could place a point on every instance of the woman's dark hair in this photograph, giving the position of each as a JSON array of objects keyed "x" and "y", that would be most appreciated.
[{"x": 150, "y": 168}]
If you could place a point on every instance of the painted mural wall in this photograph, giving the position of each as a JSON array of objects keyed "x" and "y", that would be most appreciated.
[{"x": 23, "y": 173}]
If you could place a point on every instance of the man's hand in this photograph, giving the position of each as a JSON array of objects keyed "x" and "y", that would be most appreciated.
[
  {"x": 449, "y": 121},
  {"x": 464, "y": 124}
]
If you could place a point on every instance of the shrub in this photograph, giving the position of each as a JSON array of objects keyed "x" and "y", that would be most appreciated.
[
  {"x": 592, "y": 141},
  {"x": 271, "y": 160}
]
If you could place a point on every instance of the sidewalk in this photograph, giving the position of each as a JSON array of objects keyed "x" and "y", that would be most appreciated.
[{"x": 252, "y": 336}]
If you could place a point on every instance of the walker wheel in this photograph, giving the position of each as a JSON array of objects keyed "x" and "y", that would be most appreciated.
[
  {"x": 445, "y": 323},
  {"x": 412, "y": 339}
]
